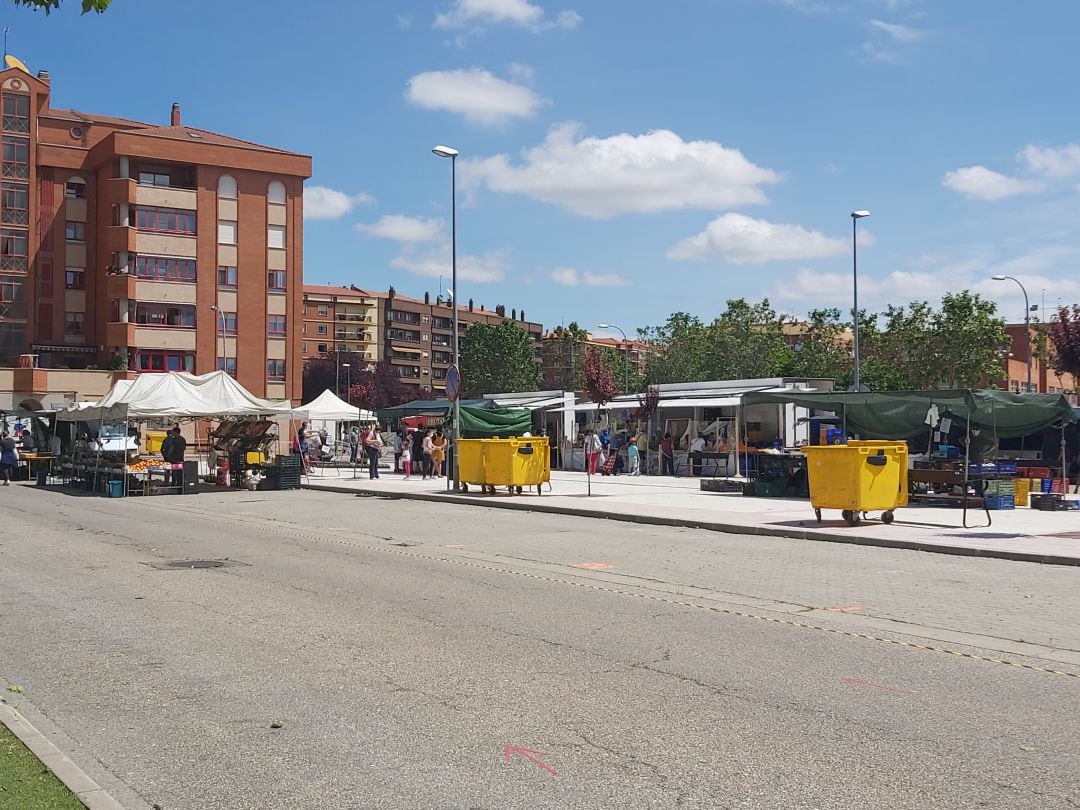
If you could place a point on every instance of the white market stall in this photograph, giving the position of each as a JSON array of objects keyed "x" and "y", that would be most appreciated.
[{"x": 330, "y": 409}]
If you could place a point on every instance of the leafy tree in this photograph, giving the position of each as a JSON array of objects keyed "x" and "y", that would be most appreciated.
[
  {"x": 321, "y": 373},
  {"x": 564, "y": 358},
  {"x": 600, "y": 382},
  {"x": 824, "y": 350},
  {"x": 497, "y": 359},
  {"x": 380, "y": 386},
  {"x": 1064, "y": 339},
  {"x": 48, "y": 5}
]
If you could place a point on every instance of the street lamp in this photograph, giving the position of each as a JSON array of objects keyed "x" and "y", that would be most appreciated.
[
  {"x": 1027, "y": 323},
  {"x": 348, "y": 380},
  {"x": 224, "y": 347},
  {"x": 855, "y": 217},
  {"x": 448, "y": 152},
  {"x": 626, "y": 349}
]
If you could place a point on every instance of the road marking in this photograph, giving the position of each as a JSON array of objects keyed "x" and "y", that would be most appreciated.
[
  {"x": 860, "y": 682},
  {"x": 594, "y": 566},
  {"x": 845, "y": 609},
  {"x": 456, "y": 546},
  {"x": 529, "y": 754}
]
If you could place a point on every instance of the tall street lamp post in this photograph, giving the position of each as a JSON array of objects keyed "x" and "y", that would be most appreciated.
[
  {"x": 448, "y": 152},
  {"x": 348, "y": 380},
  {"x": 224, "y": 348},
  {"x": 855, "y": 217},
  {"x": 1027, "y": 324},
  {"x": 626, "y": 350}
]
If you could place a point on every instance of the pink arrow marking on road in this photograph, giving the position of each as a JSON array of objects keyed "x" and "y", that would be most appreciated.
[
  {"x": 845, "y": 609},
  {"x": 529, "y": 754},
  {"x": 860, "y": 682}
]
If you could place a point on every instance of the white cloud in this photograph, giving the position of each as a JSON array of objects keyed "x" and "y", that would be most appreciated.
[
  {"x": 321, "y": 202},
  {"x": 901, "y": 34},
  {"x": 475, "y": 94},
  {"x": 511, "y": 12},
  {"x": 521, "y": 71},
  {"x": 489, "y": 267},
  {"x": 739, "y": 239},
  {"x": 981, "y": 183},
  {"x": 1056, "y": 163},
  {"x": 404, "y": 229},
  {"x": 570, "y": 277},
  {"x": 403, "y": 20},
  {"x": 605, "y": 177}
]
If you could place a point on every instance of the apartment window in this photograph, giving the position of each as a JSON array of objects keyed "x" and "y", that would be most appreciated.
[
  {"x": 407, "y": 335},
  {"x": 275, "y": 369},
  {"x": 15, "y": 203},
  {"x": 440, "y": 340},
  {"x": 226, "y": 277},
  {"x": 275, "y": 193},
  {"x": 75, "y": 189},
  {"x": 226, "y": 187},
  {"x": 275, "y": 325},
  {"x": 165, "y": 220},
  {"x": 151, "y": 360},
  {"x": 404, "y": 317},
  {"x": 45, "y": 284},
  {"x": 438, "y": 373},
  {"x": 13, "y": 246},
  {"x": 228, "y": 365},
  {"x": 441, "y": 357},
  {"x": 159, "y": 179},
  {"x": 275, "y": 281},
  {"x": 226, "y": 231},
  {"x": 408, "y": 371},
  {"x": 275, "y": 236},
  {"x": 16, "y": 112},
  {"x": 16, "y": 157},
  {"x": 75, "y": 279},
  {"x": 75, "y": 231},
  {"x": 75, "y": 323},
  {"x": 228, "y": 322},
  {"x": 165, "y": 268},
  {"x": 442, "y": 323},
  {"x": 323, "y": 310},
  {"x": 321, "y": 348},
  {"x": 322, "y": 329},
  {"x": 151, "y": 313},
  {"x": 12, "y": 298}
]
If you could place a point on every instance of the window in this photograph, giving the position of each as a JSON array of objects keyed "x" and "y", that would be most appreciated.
[
  {"x": 275, "y": 281},
  {"x": 165, "y": 220},
  {"x": 44, "y": 284},
  {"x": 408, "y": 335},
  {"x": 14, "y": 203},
  {"x": 161, "y": 360},
  {"x": 226, "y": 277},
  {"x": 151, "y": 313},
  {"x": 228, "y": 320},
  {"x": 13, "y": 245},
  {"x": 16, "y": 157},
  {"x": 323, "y": 309},
  {"x": 226, "y": 231},
  {"x": 275, "y": 236},
  {"x": 442, "y": 323},
  {"x": 159, "y": 179},
  {"x": 74, "y": 323},
  {"x": 275, "y": 369},
  {"x": 226, "y": 187},
  {"x": 322, "y": 330},
  {"x": 404, "y": 317},
  {"x": 438, "y": 373},
  {"x": 275, "y": 325},
  {"x": 75, "y": 279},
  {"x": 321, "y": 348},
  {"x": 275, "y": 193},
  {"x": 75, "y": 231},
  {"x": 441, "y": 357},
  {"x": 165, "y": 268},
  {"x": 408, "y": 371},
  {"x": 16, "y": 112},
  {"x": 228, "y": 365},
  {"x": 440, "y": 340},
  {"x": 75, "y": 189}
]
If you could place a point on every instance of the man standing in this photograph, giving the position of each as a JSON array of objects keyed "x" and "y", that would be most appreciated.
[
  {"x": 373, "y": 444},
  {"x": 175, "y": 446},
  {"x": 354, "y": 444},
  {"x": 697, "y": 447},
  {"x": 667, "y": 455},
  {"x": 643, "y": 451},
  {"x": 397, "y": 450}
]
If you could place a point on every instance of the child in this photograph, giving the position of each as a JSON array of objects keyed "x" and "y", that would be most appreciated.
[
  {"x": 406, "y": 458},
  {"x": 635, "y": 458}
]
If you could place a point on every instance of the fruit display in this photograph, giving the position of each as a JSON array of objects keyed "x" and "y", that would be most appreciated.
[{"x": 142, "y": 465}]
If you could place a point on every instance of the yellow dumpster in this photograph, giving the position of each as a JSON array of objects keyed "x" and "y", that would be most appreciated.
[
  {"x": 513, "y": 463},
  {"x": 154, "y": 440},
  {"x": 858, "y": 477},
  {"x": 471, "y": 463}
]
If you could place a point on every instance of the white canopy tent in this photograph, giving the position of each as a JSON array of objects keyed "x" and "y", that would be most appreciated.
[
  {"x": 175, "y": 394},
  {"x": 329, "y": 407}
]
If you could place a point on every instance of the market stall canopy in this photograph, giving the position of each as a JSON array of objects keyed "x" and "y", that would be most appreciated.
[
  {"x": 328, "y": 406},
  {"x": 425, "y": 407},
  {"x": 491, "y": 423},
  {"x": 175, "y": 394},
  {"x": 904, "y": 414}
]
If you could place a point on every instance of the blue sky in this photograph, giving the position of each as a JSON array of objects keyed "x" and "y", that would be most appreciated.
[{"x": 623, "y": 159}]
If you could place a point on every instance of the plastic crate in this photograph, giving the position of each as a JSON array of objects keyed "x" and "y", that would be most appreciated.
[
  {"x": 1000, "y": 502},
  {"x": 1046, "y": 485},
  {"x": 771, "y": 487},
  {"x": 1007, "y": 467}
]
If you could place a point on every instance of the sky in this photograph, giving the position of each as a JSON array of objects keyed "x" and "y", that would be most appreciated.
[{"x": 621, "y": 160}]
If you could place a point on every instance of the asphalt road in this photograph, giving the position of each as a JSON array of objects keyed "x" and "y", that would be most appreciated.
[{"x": 401, "y": 646}]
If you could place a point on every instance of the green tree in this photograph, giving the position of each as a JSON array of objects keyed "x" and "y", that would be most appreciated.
[
  {"x": 625, "y": 373},
  {"x": 824, "y": 348},
  {"x": 564, "y": 358},
  {"x": 1064, "y": 339},
  {"x": 968, "y": 338},
  {"x": 48, "y": 5},
  {"x": 497, "y": 359}
]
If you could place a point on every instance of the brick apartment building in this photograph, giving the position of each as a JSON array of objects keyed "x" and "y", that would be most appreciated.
[
  {"x": 562, "y": 366},
  {"x": 1044, "y": 380},
  {"x": 414, "y": 335},
  {"x": 117, "y": 238}
]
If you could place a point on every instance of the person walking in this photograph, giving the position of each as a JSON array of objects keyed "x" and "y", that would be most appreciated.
[
  {"x": 418, "y": 450},
  {"x": 438, "y": 453},
  {"x": 634, "y": 457},
  {"x": 429, "y": 454},
  {"x": 592, "y": 447},
  {"x": 697, "y": 447},
  {"x": 397, "y": 450},
  {"x": 172, "y": 452},
  {"x": 406, "y": 456},
  {"x": 643, "y": 452},
  {"x": 9, "y": 458},
  {"x": 373, "y": 445},
  {"x": 354, "y": 444},
  {"x": 667, "y": 455}
]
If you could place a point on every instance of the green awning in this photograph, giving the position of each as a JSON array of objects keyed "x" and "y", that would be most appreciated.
[
  {"x": 903, "y": 414},
  {"x": 491, "y": 423},
  {"x": 424, "y": 406}
]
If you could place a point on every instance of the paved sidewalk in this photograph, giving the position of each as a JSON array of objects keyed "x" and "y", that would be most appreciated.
[{"x": 1021, "y": 534}]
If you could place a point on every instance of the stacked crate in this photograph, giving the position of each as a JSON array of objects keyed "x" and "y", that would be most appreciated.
[{"x": 1000, "y": 494}]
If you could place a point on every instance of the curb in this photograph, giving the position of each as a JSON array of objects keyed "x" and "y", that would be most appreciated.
[
  {"x": 86, "y": 790},
  {"x": 726, "y": 528}
]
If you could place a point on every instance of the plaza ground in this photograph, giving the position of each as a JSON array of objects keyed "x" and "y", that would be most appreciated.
[{"x": 347, "y": 652}]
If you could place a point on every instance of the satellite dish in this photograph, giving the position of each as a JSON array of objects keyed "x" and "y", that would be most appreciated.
[{"x": 16, "y": 62}]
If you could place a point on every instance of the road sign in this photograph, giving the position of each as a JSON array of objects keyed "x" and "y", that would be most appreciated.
[{"x": 453, "y": 384}]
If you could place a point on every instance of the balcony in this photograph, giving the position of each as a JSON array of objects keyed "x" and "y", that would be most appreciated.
[
  {"x": 119, "y": 286},
  {"x": 119, "y": 238},
  {"x": 120, "y": 191},
  {"x": 349, "y": 317},
  {"x": 119, "y": 333}
]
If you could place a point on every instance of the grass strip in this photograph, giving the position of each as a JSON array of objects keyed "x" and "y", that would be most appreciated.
[{"x": 26, "y": 784}]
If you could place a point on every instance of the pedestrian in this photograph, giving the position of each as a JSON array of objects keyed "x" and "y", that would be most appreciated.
[
  {"x": 667, "y": 455},
  {"x": 176, "y": 445},
  {"x": 438, "y": 453},
  {"x": 9, "y": 458},
  {"x": 1074, "y": 474},
  {"x": 397, "y": 450},
  {"x": 373, "y": 444},
  {"x": 592, "y": 447},
  {"x": 354, "y": 444},
  {"x": 418, "y": 450},
  {"x": 643, "y": 452},
  {"x": 406, "y": 456},
  {"x": 429, "y": 453},
  {"x": 634, "y": 457},
  {"x": 697, "y": 447}
]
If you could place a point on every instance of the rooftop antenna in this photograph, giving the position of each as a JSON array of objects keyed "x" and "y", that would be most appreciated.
[{"x": 7, "y": 30}]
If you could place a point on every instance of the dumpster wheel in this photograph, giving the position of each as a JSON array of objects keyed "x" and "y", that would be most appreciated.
[
  {"x": 887, "y": 517},
  {"x": 818, "y": 513},
  {"x": 464, "y": 487},
  {"x": 852, "y": 517}
]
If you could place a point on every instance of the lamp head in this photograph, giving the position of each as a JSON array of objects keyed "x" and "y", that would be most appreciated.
[
  {"x": 214, "y": 308},
  {"x": 997, "y": 278},
  {"x": 445, "y": 151},
  {"x": 859, "y": 214},
  {"x": 603, "y": 326}
]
